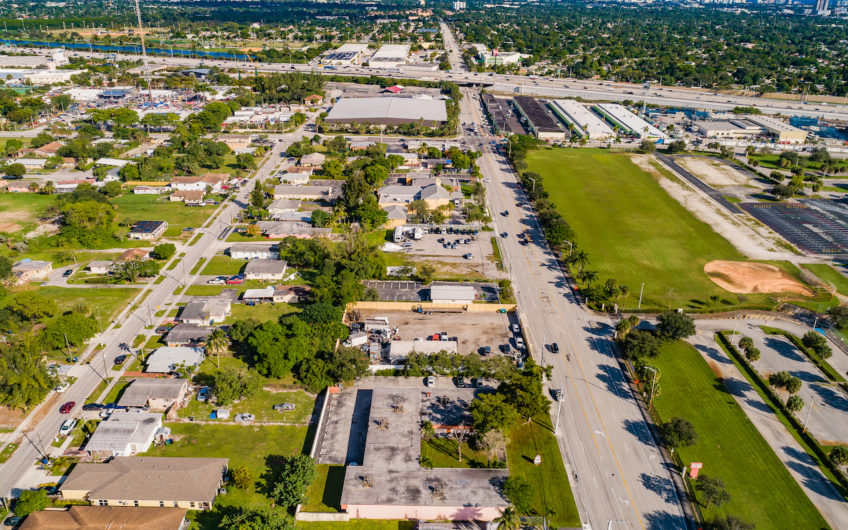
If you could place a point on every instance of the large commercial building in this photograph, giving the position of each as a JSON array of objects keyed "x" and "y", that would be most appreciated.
[
  {"x": 729, "y": 129},
  {"x": 388, "y": 111},
  {"x": 779, "y": 129},
  {"x": 541, "y": 123},
  {"x": 346, "y": 54},
  {"x": 389, "y": 56},
  {"x": 627, "y": 122},
  {"x": 584, "y": 121}
]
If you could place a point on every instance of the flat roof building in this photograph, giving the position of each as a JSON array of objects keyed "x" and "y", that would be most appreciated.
[
  {"x": 539, "y": 120},
  {"x": 124, "y": 433},
  {"x": 783, "y": 132},
  {"x": 388, "y": 111},
  {"x": 346, "y": 54},
  {"x": 584, "y": 121},
  {"x": 452, "y": 293},
  {"x": 389, "y": 56},
  {"x": 628, "y": 122},
  {"x": 735, "y": 129}
]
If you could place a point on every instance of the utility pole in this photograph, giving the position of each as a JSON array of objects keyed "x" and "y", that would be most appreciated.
[
  {"x": 642, "y": 290},
  {"x": 559, "y": 406},
  {"x": 653, "y": 385},
  {"x": 144, "y": 52}
]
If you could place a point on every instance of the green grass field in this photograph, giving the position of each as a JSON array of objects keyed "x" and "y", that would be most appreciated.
[
  {"x": 761, "y": 490},
  {"x": 828, "y": 273},
  {"x": 260, "y": 405},
  {"x": 549, "y": 479},
  {"x": 325, "y": 493},
  {"x": 635, "y": 232},
  {"x": 442, "y": 453},
  {"x": 154, "y": 207},
  {"x": 222, "y": 265}
]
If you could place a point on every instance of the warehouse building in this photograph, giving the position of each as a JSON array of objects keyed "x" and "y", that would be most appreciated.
[
  {"x": 389, "y": 56},
  {"x": 346, "y": 54},
  {"x": 627, "y": 122},
  {"x": 731, "y": 129},
  {"x": 780, "y": 130},
  {"x": 541, "y": 123},
  {"x": 584, "y": 121},
  {"x": 388, "y": 111}
]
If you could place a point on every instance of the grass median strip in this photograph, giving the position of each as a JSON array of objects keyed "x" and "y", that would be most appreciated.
[{"x": 762, "y": 491}]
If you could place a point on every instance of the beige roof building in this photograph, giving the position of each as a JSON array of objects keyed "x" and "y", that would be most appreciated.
[
  {"x": 190, "y": 483},
  {"x": 158, "y": 394},
  {"x": 106, "y": 517},
  {"x": 28, "y": 270}
]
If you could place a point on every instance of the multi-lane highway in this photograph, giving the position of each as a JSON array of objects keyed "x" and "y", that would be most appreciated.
[
  {"x": 587, "y": 89},
  {"x": 616, "y": 469},
  {"x": 17, "y": 472}
]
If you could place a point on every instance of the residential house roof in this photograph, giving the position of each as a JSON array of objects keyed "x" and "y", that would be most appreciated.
[
  {"x": 189, "y": 195},
  {"x": 265, "y": 266},
  {"x": 122, "y": 428},
  {"x": 267, "y": 292},
  {"x": 133, "y": 253},
  {"x": 99, "y": 265},
  {"x": 167, "y": 358},
  {"x": 396, "y": 211},
  {"x": 253, "y": 247},
  {"x": 106, "y": 517},
  {"x": 146, "y": 227},
  {"x": 149, "y": 478},
  {"x": 312, "y": 159},
  {"x": 283, "y": 205},
  {"x": 209, "y": 309},
  {"x": 185, "y": 332},
  {"x": 32, "y": 265},
  {"x": 140, "y": 391},
  {"x": 300, "y": 291},
  {"x": 48, "y": 149}
]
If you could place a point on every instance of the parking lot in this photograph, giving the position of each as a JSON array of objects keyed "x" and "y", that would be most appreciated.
[
  {"x": 406, "y": 291},
  {"x": 472, "y": 330},
  {"x": 471, "y": 252},
  {"x": 815, "y": 226}
]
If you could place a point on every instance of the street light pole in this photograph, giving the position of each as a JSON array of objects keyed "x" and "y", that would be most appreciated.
[
  {"x": 809, "y": 410},
  {"x": 642, "y": 290},
  {"x": 559, "y": 406},
  {"x": 653, "y": 385}
]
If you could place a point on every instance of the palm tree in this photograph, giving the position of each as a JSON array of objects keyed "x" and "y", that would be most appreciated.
[
  {"x": 216, "y": 343},
  {"x": 622, "y": 328},
  {"x": 508, "y": 519}
]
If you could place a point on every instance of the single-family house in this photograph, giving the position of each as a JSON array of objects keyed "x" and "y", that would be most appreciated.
[
  {"x": 291, "y": 294},
  {"x": 47, "y": 150},
  {"x": 254, "y": 251},
  {"x": 78, "y": 517},
  {"x": 27, "y": 270},
  {"x": 397, "y": 215},
  {"x": 100, "y": 267},
  {"x": 315, "y": 160},
  {"x": 306, "y": 193},
  {"x": 258, "y": 296},
  {"x": 149, "y": 190},
  {"x": 265, "y": 269},
  {"x": 156, "y": 394},
  {"x": 169, "y": 359},
  {"x": 174, "y": 482},
  {"x": 124, "y": 433},
  {"x": 313, "y": 99},
  {"x": 68, "y": 186},
  {"x": 283, "y": 206},
  {"x": 297, "y": 175},
  {"x": 189, "y": 197},
  {"x": 32, "y": 164},
  {"x": 148, "y": 230},
  {"x": 284, "y": 229},
  {"x": 208, "y": 181},
  {"x": 205, "y": 312},
  {"x": 23, "y": 186},
  {"x": 132, "y": 254},
  {"x": 184, "y": 334}
]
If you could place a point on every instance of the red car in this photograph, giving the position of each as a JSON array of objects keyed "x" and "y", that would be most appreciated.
[
  {"x": 235, "y": 280},
  {"x": 67, "y": 407}
]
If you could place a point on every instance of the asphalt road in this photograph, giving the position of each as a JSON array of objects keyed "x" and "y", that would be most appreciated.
[
  {"x": 17, "y": 472},
  {"x": 616, "y": 469},
  {"x": 589, "y": 89}
]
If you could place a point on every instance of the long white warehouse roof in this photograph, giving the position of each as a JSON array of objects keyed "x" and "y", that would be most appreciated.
[
  {"x": 351, "y": 47},
  {"x": 586, "y": 122},
  {"x": 388, "y": 110},
  {"x": 391, "y": 51},
  {"x": 626, "y": 119}
]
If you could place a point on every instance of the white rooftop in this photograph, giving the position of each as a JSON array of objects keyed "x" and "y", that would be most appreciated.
[
  {"x": 634, "y": 123},
  {"x": 584, "y": 119},
  {"x": 169, "y": 358}
]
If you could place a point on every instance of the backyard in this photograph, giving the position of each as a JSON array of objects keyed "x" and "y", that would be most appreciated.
[
  {"x": 261, "y": 405},
  {"x": 635, "y": 232},
  {"x": 762, "y": 492}
]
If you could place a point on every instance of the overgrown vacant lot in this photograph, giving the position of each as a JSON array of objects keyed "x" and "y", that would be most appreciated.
[
  {"x": 761, "y": 490},
  {"x": 635, "y": 232}
]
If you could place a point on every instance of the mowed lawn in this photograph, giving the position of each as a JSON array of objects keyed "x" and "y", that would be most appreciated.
[
  {"x": 156, "y": 208},
  {"x": 633, "y": 230},
  {"x": 761, "y": 490},
  {"x": 828, "y": 273}
]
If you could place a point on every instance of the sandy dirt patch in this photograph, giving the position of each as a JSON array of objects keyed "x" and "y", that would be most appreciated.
[
  {"x": 14, "y": 216},
  {"x": 9, "y": 227},
  {"x": 742, "y": 277},
  {"x": 748, "y": 237},
  {"x": 43, "y": 229},
  {"x": 714, "y": 174}
]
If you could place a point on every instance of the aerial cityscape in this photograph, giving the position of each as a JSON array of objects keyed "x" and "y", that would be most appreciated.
[{"x": 420, "y": 264}]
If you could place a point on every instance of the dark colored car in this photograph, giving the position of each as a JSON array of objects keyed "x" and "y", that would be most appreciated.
[
  {"x": 120, "y": 359},
  {"x": 67, "y": 407},
  {"x": 554, "y": 347},
  {"x": 93, "y": 406},
  {"x": 13, "y": 521},
  {"x": 67, "y": 273}
]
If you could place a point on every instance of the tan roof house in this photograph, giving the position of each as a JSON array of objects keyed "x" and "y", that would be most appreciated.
[
  {"x": 106, "y": 517},
  {"x": 190, "y": 483},
  {"x": 26, "y": 271}
]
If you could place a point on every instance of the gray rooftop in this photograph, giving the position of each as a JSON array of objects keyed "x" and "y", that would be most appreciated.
[
  {"x": 188, "y": 333},
  {"x": 141, "y": 390},
  {"x": 168, "y": 358},
  {"x": 124, "y": 428},
  {"x": 265, "y": 266},
  {"x": 388, "y": 108}
]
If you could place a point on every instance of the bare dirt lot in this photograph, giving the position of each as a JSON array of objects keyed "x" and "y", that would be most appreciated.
[
  {"x": 713, "y": 173},
  {"x": 9, "y": 227},
  {"x": 472, "y": 330},
  {"x": 741, "y": 277}
]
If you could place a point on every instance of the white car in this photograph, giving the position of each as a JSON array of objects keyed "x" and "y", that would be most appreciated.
[
  {"x": 516, "y": 328},
  {"x": 431, "y": 381},
  {"x": 67, "y": 427},
  {"x": 519, "y": 343},
  {"x": 61, "y": 387}
]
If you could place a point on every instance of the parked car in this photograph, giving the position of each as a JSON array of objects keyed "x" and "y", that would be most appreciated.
[
  {"x": 554, "y": 347},
  {"x": 13, "y": 521},
  {"x": 282, "y": 407},
  {"x": 236, "y": 280},
  {"x": 468, "y": 256},
  {"x": 244, "y": 417},
  {"x": 217, "y": 281},
  {"x": 93, "y": 406},
  {"x": 516, "y": 328},
  {"x": 61, "y": 387},
  {"x": 67, "y": 407},
  {"x": 120, "y": 359},
  {"x": 430, "y": 381},
  {"x": 67, "y": 427},
  {"x": 67, "y": 273},
  {"x": 203, "y": 393},
  {"x": 558, "y": 394},
  {"x": 519, "y": 343}
]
